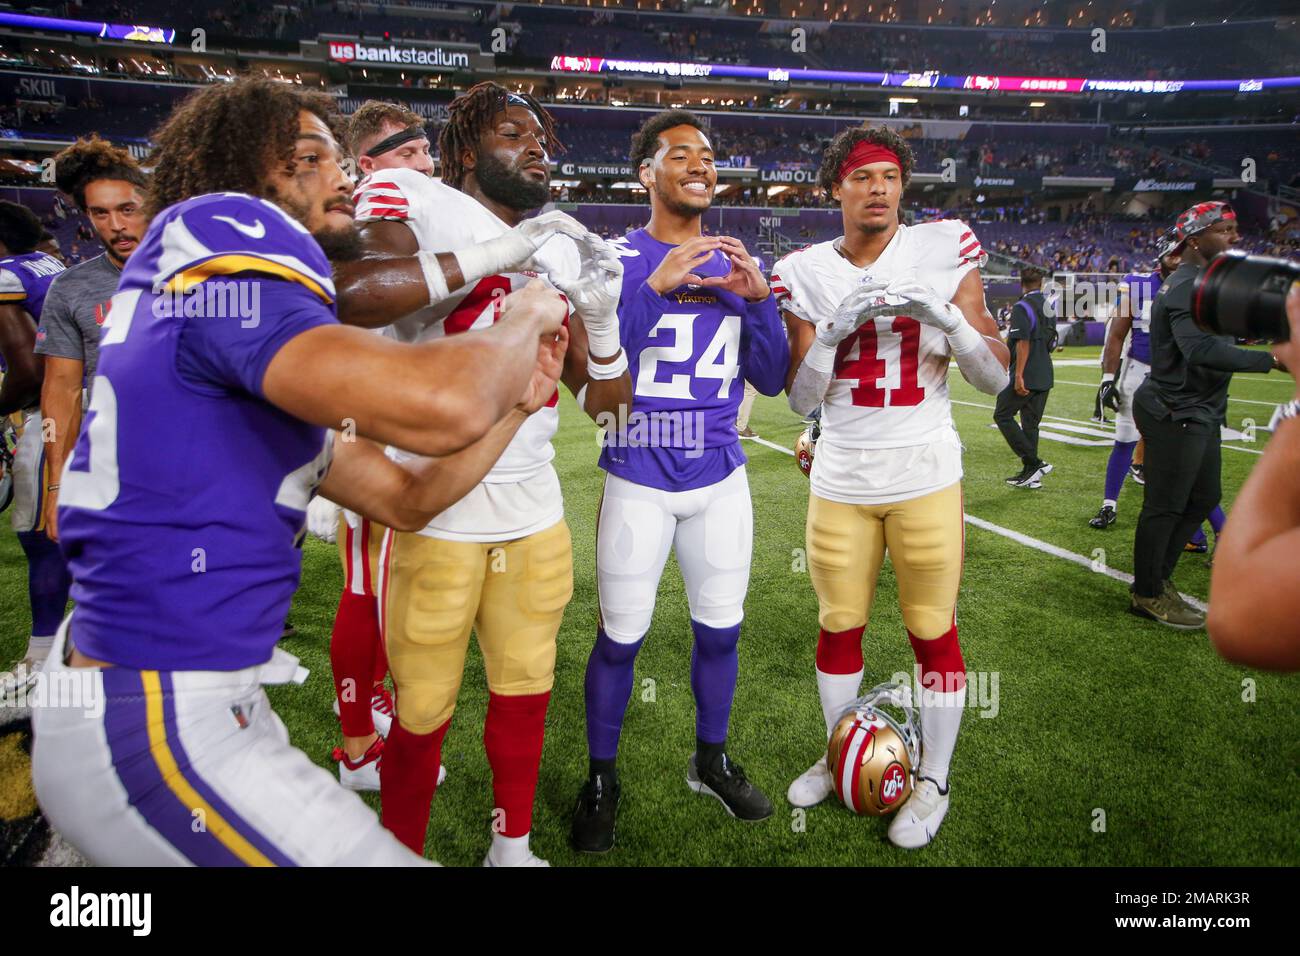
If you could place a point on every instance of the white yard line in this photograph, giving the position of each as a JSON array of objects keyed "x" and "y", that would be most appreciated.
[
  {"x": 1244, "y": 401},
  {"x": 1027, "y": 541}
]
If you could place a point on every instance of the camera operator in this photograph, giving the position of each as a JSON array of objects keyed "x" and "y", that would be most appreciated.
[
  {"x": 1179, "y": 411},
  {"x": 1255, "y": 604}
]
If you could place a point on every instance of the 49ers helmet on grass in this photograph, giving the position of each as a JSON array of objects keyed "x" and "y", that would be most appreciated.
[{"x": 872, "y": 753}]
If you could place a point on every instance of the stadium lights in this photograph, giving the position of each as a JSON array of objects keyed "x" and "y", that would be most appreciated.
[
  {"x": 1036, "y": 104},
  {"x": 903, "y": 99}
]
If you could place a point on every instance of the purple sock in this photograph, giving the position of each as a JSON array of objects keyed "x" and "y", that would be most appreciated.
[
  {"x": 1121, "y": 455},
  {"x": 714, "y": 663},
  {"x": 608, "y": 687},
  {"x": 48, "y": 582},
  {"x": 1217, "y": 518}
]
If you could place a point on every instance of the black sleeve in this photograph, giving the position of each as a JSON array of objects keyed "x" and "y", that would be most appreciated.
[
  {"x": 1203, "y": 348},
  {"x": 1019, "y": 323}
]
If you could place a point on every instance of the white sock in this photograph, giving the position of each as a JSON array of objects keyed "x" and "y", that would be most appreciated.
[
  {"x": 1107, "y": 503},
  {"x": 940, "y": 721},
  {"x": 38, "y": 647},
  {"x": 837, "y": 691},
  {"x": 507, "y": 851}
]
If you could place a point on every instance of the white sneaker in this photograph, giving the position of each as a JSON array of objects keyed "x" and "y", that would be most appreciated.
[
  {"x": 918, "y": 820},
  {"x": 812, "y": 786},
  {"x": 362, "y": 773},
  {"x": 532, "y": 859},
  {"x": 442, "y": 773}
]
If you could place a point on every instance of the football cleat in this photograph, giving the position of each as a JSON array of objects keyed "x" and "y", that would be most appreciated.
[
  {"x": 1194, "y": 547},
  {"x": 362, "y": 773},
  {"x": 1103, "y": 519},
  {"x": 920, "y": 818},
  {"x": 812, "y": 786},
  {"x": 727, "y": 781},
  {"x": 871, "y": 752},
  {"x": 805, "y": 447},
  {"x": 596, "y": 815},
  {"x": 747, "y": 432},
  {"x": 1137, "y": 473}
]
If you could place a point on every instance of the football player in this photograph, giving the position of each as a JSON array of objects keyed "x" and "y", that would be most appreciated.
[
  {"x": 380, "y": 136},
  {"x": 874, "y": 318},
  {"x": 223, "y": 347},
  {"x": 499, "y": 563},
  {"x": 697, "y": 320},
  {"x": 25, "y": 278},
  {"x": 1116, "y": 392}
]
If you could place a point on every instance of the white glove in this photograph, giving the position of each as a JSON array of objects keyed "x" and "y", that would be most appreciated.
[
  {"x": 594, "y": 294},
  {"x": 323, "y": 519},
  {"x": 864, "y": 302},
  {"x": 512, "y": 251},
  {"x": 914, "y": 299}
]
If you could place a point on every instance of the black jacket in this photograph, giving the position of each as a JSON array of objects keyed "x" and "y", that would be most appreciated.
[{"x": 1190, "y": 368}]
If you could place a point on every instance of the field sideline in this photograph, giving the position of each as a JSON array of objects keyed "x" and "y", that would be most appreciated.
[{"x": 1098, "y": 715}]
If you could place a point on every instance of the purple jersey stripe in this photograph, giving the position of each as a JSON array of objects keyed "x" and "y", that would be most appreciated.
[
  {"x": 228, "y": 813},
  {"x": 125, "y": 726}
]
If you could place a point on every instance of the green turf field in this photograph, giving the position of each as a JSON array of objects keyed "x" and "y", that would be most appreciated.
[{"x": 1096, "y": 711}]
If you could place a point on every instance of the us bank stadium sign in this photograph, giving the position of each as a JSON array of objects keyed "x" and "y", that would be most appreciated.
[{"x": 429, "y": 58}]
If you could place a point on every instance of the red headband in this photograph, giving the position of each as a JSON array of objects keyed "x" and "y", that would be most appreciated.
[{"x": 867, "y": 152}]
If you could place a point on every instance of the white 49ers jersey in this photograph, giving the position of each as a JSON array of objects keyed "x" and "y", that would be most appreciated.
[
  {"x": 889, "y": 388},
  {"x": 444, "y": 220}
]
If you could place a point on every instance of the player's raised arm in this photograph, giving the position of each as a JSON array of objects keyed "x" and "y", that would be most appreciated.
[
  {"x": 393, "y": 277},
  {"x": 433, "y": 398},
  {"x": 595, "y": 367},
  {"x": 407, "y": 495},
  {"x": 764, "y": 348},
  {"x": 981, "y": 354},
  {"x": 813, "y": 374}
]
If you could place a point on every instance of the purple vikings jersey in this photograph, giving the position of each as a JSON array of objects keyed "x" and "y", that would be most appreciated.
[
  {"x": 689, "y": 354},
  {"x": 184, "y": 501},
  {"x": 1142, "y": 288},
  {"x": 25, "y": 279}
]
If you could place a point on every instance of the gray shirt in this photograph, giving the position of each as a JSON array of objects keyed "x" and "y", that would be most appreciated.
[{"x": 74, "y": 312}]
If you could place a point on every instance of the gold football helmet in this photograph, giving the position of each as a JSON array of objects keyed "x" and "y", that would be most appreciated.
[
  {"x": 872, "y": 753},
  {"x": 805, "y": 447}
]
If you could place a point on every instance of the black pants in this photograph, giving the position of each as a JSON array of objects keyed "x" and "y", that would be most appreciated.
[
  {"x": 1182, "y": 488},
  {"x": 1023, "y": 440}
]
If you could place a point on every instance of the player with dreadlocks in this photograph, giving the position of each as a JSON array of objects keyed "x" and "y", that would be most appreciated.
[
  {"x": 183, "y": 504},
  {"x": 499, "y": 563}
]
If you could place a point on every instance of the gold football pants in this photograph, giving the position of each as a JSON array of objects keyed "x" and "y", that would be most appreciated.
[
  {"x": 925, "y": 539},
  {"x": 512, "y": 594}
]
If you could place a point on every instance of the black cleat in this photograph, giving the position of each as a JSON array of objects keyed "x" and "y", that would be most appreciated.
[
  {"x": 1024, "y": 475},
  {"x": 1193, "y": 547},
  {"x": 596, "y": 814},
  {"x": 1135, "y": 472},
  {"x": 727, "y": 781},
  {"x": 1103, "y": 518}
]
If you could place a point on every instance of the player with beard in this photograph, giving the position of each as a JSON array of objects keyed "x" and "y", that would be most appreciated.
[
  {"x": 698, "y": 321},
  {"x": 107, "y": 186},
  {"x": 1117, "y": 391},
  {"x": 875, "y": 317},
  {"x": 499, "y": 563},
  {"x": 184, "y": 499},
  {"x": 26, "y": 277},
  {"x": 380, "y": 136}
]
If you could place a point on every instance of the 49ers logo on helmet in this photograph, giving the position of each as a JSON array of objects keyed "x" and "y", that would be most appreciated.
[{"x": 892, "y": 783}]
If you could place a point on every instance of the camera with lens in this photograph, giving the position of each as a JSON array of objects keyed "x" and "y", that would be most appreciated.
[{"x": 1245, "y": 296}]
